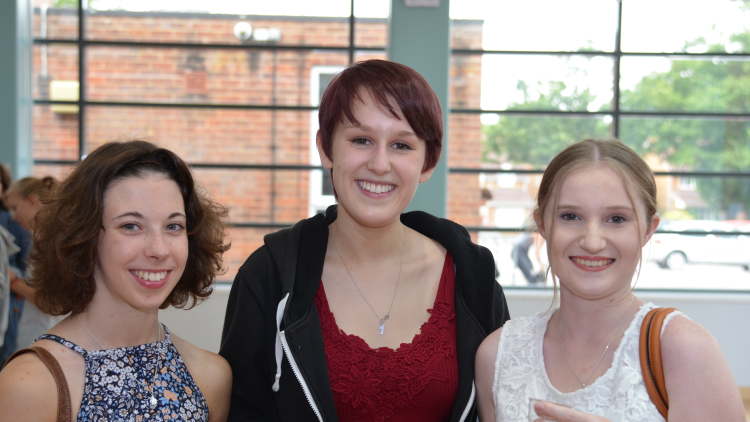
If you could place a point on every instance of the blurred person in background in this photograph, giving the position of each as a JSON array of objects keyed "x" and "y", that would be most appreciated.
[
  {"x": 17, "y": 264},
  {"x": 25, "y": 199},
  {"x": 520, "y": 255}
]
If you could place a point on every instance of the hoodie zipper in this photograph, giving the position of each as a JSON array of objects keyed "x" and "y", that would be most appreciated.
[
  {"x": 471, "y": 402},
  {"x": 297, "y": 374}
]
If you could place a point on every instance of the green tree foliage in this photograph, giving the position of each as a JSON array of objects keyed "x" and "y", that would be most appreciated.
[
  {"x": 714, "y": 85},
  {"x": 65, "y": 4},
  {"x": 536, "y": 139}
]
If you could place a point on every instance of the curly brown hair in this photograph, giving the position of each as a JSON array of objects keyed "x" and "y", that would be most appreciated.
[{"x": 67, "y": 227}]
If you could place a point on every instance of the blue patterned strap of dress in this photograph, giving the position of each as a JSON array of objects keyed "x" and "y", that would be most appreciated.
[{"x": 67, "y": 343}]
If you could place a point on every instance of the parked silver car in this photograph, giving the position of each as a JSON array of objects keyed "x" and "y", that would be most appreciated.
[{"x": 718, "y": 243}]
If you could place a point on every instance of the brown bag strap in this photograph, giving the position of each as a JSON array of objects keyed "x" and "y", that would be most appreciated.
[
  {"x": 650, "y": 356},
  {"x": 64, "y": 411}
]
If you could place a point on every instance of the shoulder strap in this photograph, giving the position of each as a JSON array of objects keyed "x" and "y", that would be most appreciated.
[
  {"x": 650, "y": 356},
  {"x": 64, "y": 411}
]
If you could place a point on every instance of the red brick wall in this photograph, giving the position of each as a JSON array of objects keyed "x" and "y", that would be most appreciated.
[{"x": 230, "y": 76}]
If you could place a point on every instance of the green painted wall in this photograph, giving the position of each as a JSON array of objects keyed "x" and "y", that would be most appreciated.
[
  {"x": 422, "y": 37},
  {"x": 15, "y": 86}
]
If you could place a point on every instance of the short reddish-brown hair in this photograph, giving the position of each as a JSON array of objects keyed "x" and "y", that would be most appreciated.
[
  {"x": 386, "y": 82},
  {"x": 66, "y": 229}
]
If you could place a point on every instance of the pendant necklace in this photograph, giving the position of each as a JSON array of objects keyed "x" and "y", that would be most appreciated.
[
  {"x": 381, "y": 321},
  {"x": 152, "y": 400},
  {"x": 583, "y": 383}
]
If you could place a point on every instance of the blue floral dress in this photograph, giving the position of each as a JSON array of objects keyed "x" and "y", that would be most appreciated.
[{"x": 146, "y": 383}]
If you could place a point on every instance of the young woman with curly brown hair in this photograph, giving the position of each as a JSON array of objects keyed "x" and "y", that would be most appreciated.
[{"x": 126, "y": 234}]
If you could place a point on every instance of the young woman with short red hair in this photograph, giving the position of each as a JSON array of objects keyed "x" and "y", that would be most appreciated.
[{"x": 365, "y": 313}]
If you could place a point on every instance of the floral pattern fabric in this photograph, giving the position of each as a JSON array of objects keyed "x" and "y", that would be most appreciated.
[{"x": 119, "y": 383}]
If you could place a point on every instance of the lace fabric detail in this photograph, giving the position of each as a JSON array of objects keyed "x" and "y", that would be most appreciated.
[
  {"x": 112, "y": 393},
  {"x": 618, "y": 395},
  {"x": 380, "y": 383}
]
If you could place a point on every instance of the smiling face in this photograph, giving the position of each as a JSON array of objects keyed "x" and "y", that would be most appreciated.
[
  {"x": 23, "y": 209},
  {"x": 377, "y": 164},
  {"x": 597, "y": 237},
  {"x": 143, "y": 244}
]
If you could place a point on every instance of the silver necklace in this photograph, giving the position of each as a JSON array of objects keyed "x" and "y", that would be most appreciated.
[
  {"x": 152, "y": 400},
  {"x": 559, "y": 338},
  {"x": 395, "y": 290}
]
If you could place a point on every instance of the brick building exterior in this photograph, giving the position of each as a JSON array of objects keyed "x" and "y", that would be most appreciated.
[{"x": 229, "y": 76}]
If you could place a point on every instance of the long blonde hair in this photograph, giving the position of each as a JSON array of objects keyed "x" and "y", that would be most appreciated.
[{"x": 633, "y": 171}]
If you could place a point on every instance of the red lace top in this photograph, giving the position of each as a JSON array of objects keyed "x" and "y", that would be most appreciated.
[{"x": 416, "y": 382}]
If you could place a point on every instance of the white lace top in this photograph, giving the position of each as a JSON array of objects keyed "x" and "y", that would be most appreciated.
[{"x": 619, "y": 395}]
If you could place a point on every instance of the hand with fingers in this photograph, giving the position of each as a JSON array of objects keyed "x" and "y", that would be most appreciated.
[{"x": 553, "y": 412}]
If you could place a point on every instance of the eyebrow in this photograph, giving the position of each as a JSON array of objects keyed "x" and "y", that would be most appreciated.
[
  {"x": 136, "y": 214},
  {"x": 370, "y": 129},
  {"x": 613, "y": 207}
]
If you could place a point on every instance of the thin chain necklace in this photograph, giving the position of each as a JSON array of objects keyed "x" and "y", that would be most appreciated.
[
  {"x": 583, "y": 383},
  {"x": 395, "y": 290},
  {"x": 152, "y": 400}
]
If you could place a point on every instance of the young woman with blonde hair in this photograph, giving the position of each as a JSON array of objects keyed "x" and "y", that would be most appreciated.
[{"x": 596, "y": 209}]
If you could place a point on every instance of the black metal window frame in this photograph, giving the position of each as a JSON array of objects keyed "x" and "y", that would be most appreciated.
[
  {"x": 615, "y": 113},
  {"x": 82, "y": 43}
]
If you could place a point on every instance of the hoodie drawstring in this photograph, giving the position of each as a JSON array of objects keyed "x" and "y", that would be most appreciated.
[{"x": 279, "y": 348}]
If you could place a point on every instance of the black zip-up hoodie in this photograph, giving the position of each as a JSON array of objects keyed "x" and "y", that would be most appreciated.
[{"x": 272, "y": 336}]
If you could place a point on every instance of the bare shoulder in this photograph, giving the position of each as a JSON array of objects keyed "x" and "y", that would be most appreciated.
[
  {"x": 685, "y": 342},
  {"x": 211, "y": 373},
  {"x": 484, "y": 370},
  {"x": 427, "y": 246},
  {"x": 27, "y": 390},
  {"x": 487, "y": 352},
  {"x": 699, "y": 381}
]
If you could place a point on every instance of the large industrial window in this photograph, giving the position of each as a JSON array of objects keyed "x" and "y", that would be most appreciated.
[
  {"x": 232, "y": 87},
  {"x": 670, "y": 78}
]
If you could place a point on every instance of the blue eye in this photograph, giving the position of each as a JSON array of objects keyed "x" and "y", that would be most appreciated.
[
  {"x": 174, "y": 227},
  {"x": 568, "y": 216},
  {"x": 618, "y": 219},
  {"x": 131, "y": 227}
]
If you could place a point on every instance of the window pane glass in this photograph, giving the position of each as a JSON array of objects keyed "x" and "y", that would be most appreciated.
[
  {"x": 693, "y": 203},
  {"x": 367, "y": 55},
  {"x": 55, "y": 72},
  {"x": 57, "y": 171},
  {"x": 717, "y": 85},
  {"x": 492, "y": 199},
  {"x": 521, "y": 257},
  {"x": 244, "y": 242},
  {"x": 55, "y": 132},
  {"x": 209, "y": 135},
  {"x": 258, "y": 196},
  {"x": 58, "y": 21},
  {"x": 513, "y": 251},
  {"x": 467, "y": 34},
  {"x": 466, "y": 81},
  {"x": 675, "y": 144},
  {"x": 569, "y": 83},
  {"x": 370, "y": 32},
  {"x": 204, "y": 76},
  {"x": 694, "y": 26},
  {"x": 230, "y": 25},
  {"x": 577, "y": 25},
  {"x": 371, "y": 26},
  {"x": 530, "y": 142}
]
